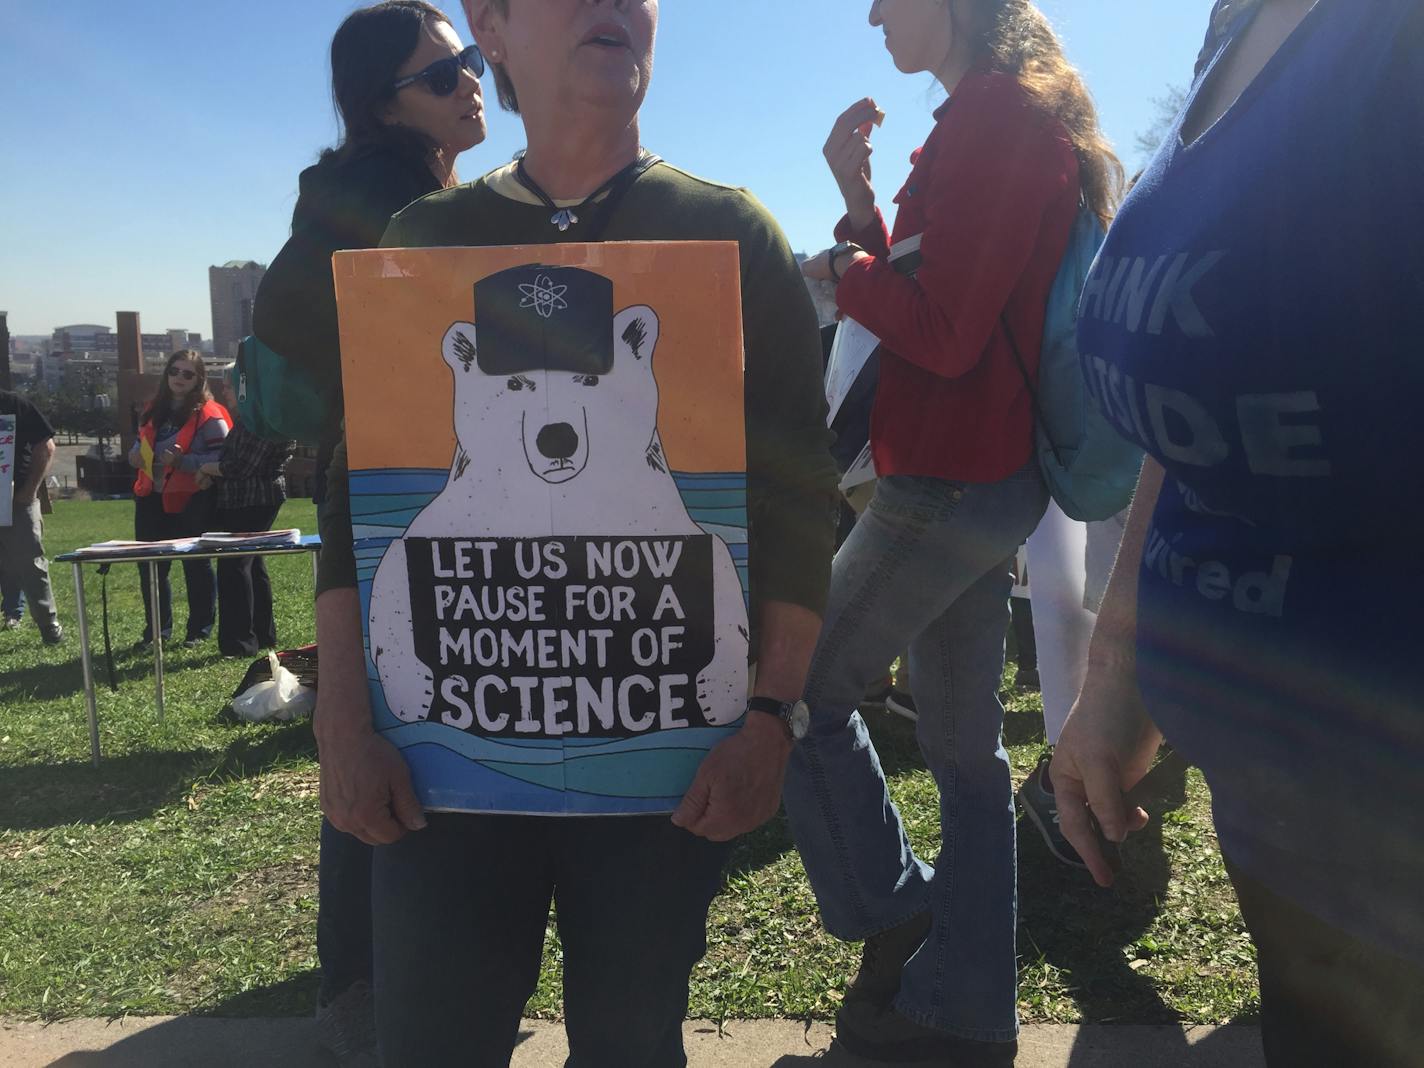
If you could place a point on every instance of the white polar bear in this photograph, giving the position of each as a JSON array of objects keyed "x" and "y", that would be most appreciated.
[{"x": 546, "y": 454}]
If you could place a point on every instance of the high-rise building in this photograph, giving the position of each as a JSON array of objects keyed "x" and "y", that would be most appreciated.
[{"x": 233, "y": 287}]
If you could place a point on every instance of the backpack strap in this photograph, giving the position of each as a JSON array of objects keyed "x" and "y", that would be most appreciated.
[
  {"x": 1028, "y": 385},
  {"x": 608, "y": 206}
]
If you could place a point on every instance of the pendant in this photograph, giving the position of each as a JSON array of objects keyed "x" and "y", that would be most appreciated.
[{"x": 563, "y": 219}]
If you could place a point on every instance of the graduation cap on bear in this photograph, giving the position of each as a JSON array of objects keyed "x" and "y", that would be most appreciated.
[{"x": 541, "y": 318}]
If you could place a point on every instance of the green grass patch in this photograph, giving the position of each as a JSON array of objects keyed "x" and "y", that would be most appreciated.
[{"x": 180, "y": 876}]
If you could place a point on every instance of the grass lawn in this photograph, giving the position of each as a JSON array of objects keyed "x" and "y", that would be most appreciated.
[{"x": 181, "y": 875}]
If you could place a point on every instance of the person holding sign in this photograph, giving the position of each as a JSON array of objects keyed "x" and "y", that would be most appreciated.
[
  {"x": 461, "y": 901},
  {"x": 26, "y": 453},
  {"x": 992, "y": 197},
  {"x": 181, "y": 429}
]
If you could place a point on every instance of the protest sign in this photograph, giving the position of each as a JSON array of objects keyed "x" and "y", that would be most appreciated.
[{"x": 548, "y": 495}]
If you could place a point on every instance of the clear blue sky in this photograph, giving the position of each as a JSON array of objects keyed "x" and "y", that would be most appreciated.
[{"x": 146, "y": 139}]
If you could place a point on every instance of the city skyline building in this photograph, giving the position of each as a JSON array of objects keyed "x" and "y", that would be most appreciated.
[{"x": 232, "y": 289}]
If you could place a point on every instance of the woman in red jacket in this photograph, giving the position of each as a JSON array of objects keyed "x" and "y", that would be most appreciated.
[
  {"x": 990, "y": 200},
  {"x": 181, "y": 429}
]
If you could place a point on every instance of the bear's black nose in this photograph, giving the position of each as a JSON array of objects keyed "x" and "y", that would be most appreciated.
[{"x": 558, "y": 441}]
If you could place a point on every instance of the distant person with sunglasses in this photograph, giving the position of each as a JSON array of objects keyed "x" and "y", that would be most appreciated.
[
  {"x": 408, "y": 94},
  {"x": 181, "y": 429}
]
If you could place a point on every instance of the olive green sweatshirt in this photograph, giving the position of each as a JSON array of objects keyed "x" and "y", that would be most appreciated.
[{"x": 791, "y": 483}]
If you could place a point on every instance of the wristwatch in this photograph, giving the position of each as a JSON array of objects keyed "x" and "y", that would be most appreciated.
[
  {"x": 839, "y": 249},
  {"x": 795, "y": 716}
]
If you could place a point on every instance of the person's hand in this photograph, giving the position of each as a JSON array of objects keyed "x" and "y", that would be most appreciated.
[
  {"x": 818, "y": 267},
  {"x": 1106, "y": 747},
  {"x": 202, "y": 481},
  {"x": 136, "y": 461},
  {"x": 738, "y": 786},
  {"x": 365, "y": 786},
  {"x": 169, "y": 457},
  {"x": 212, "y": 469},
  {"x": 847, "y": 153}
]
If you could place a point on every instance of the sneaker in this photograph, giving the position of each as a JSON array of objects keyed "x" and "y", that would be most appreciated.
[
  {"x": 12, "y": 624},
  {"x": 888, "y": 1037},
  {"x": 143, "y": 645},
  {"x": 1026, "y": 678},
  {"x": 883, "y": 958},
  {"x": 1041, "y": 807},
  {"x": 346, "y": 1027},
  {"x": 902, "y": 704},
  {"x": 54, "y": 637}
]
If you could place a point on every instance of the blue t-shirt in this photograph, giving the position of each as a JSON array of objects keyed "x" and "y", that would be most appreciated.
[{"x": 1256, "y": 322}]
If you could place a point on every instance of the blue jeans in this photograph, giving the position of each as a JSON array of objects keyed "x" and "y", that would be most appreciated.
[
  {"x": 12, "y": 602},
  {"x": 927, "y": 567},
  {"x": 460, "y": 910}
]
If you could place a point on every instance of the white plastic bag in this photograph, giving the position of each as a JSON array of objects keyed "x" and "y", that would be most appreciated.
[{"x": 281, "y": 698}]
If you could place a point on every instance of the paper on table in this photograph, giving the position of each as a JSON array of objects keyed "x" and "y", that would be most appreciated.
[
  {"x": 219, "y": 539},
  {"x": 126, "y": 548}
]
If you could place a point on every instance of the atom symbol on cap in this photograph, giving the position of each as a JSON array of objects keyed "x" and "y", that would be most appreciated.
[{"x": 543, "y": 296}]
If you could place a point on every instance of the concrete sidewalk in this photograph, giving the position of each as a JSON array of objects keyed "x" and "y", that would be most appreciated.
[{"x": 194, "y": 1042}]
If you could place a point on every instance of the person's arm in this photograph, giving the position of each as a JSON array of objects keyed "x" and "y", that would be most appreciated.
[
  {"x": 1108, "y": 742},
  {"x": 994, "y": 174},
  {"x": 792, "y": 502},
  {"x": 41, "y": 459},
  {"x": 365, "y": 784},
  {"x": 207, "y": 446}
]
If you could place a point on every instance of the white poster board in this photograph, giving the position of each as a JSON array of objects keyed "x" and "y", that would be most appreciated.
[{"x": 7, "y": 469}]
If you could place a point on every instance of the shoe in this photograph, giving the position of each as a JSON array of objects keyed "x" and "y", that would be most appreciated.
[
  {"x": 883, "y": 958},
  {"x": 145, "y": 644},
  {"x": 1041, "y": 807},
  {"x": 346, "y": 1027},
  {"x": 902, "y": 704},
  {"x": 878, "y": 691},
  {"x": 55, "y": 637},
  {"x": 193, "y": 642},
  {"x": 12, "y": 624},
  {"x": 1026, "y": 678},
  {"x": 886, "y": 1036}
]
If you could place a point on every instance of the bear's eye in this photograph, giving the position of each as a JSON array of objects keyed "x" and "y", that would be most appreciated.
[
  {"x": 515, "y": 384},
  {"x": 519, "y": 382},
  {"x": 590, "y": 380}
]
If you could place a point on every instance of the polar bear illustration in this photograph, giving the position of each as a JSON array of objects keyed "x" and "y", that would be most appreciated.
[{"x": 550, "y": 453}]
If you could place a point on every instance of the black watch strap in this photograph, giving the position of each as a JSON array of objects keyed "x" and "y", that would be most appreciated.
[
  {"x": 839, "y": 249},
  {"x": 770, "y": 705}
]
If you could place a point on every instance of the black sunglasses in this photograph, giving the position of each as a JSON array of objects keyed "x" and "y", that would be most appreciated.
[
  {"x": 442, "y": 76},
  {"x": 183, "y": 373}
]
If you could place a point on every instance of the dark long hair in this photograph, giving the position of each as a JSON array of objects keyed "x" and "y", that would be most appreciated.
[
  {"x": 367, "y": 54},
  {"x": 162, "y": 402}
]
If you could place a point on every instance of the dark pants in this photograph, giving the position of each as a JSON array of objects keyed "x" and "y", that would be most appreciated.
[
  {"x": 460, "y": 912},
  {"x": 1329, "y": 1000},
  {"x": 343, "y": 912},
  {"x": 1027, "y": 648},
  {"x": 245, "y": 622},
  {"x": 152, "y": 523}
]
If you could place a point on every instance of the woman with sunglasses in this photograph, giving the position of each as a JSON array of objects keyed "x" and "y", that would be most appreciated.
[
  {"x": 181, "y": 429},
  {"x": 408, "y": 95},
  {"x": 461, "y": 901}
]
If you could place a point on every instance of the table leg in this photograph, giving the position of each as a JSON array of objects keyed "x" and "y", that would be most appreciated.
[
  {"x": 157, "y": 634},
  {"x": 316, "y": 567},
  {"x": 90, "y": 704}
]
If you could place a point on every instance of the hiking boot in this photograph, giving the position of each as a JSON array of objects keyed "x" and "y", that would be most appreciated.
[
  {"x": 1041, "y": 807},
  {"x": 902, "y": 704},
  {"x": 1026, "y": 678},
  {"x": 346, "y": 1027},
  {"x": 54, "y": 637},
  {"x": 886, "y": 1036},
  {"x": 883, "y": 958}
]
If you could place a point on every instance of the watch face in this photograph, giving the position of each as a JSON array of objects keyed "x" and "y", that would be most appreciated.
[{"x": 799, "y": 720}]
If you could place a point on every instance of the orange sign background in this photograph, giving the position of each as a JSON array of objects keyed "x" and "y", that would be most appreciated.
[{"x": 396, "y": 305}]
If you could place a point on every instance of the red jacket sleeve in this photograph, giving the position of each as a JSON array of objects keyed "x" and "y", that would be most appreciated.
[
  {"x": 996, "y": 169},
  {"x": 874, "y": 238}
]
